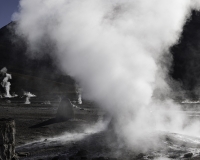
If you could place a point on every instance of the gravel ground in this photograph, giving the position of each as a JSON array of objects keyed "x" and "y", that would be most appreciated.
[{"x": 39, "y": 136}]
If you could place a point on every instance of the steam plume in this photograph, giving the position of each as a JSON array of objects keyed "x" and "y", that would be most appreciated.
[{"x": 118, "y": 51}]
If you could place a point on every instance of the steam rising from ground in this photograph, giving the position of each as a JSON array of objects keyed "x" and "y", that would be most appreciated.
[
  {"x": 118, "y": 51},
  {"x": 70, "y": 136}
]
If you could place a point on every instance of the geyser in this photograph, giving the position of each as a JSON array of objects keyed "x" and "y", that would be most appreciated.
[
  {"x": 78, "y": 94},
  {"x": 5, "y": 82},
  {"x": 118, "y": 51},
  {"x": 28, "y": 95}
]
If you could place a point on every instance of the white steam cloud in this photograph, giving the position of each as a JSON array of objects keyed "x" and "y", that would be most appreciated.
[{"x": 115, "y": 49}]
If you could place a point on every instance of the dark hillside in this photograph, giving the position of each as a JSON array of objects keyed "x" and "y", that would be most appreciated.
[
  {"x": 186, "y": 54},
  {"x": 36, "y": 75}
]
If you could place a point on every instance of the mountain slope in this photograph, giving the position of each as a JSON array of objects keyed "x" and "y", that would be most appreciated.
[{"x": 37, "y": 75}]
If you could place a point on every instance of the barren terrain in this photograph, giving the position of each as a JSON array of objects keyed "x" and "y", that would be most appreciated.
[{"x": 40, "y": 136}]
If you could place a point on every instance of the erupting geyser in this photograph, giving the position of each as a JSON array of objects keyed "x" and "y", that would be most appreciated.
[
  {"x": 78, "y": 93},
  {"x": 5, "y": 82},
  {"x": 28, "y": 95},
  {"x": 118, "y": 51}
]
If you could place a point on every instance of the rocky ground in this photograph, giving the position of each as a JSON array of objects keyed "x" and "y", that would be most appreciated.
[{"x": 39, "y": 136}]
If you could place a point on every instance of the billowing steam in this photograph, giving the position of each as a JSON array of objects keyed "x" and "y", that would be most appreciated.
[
  {"x": 118, "y": 51},
  {"x": 5, "y": 82}
]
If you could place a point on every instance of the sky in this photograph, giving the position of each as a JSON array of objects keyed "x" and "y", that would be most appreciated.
[{"x": 7, "y": 8}]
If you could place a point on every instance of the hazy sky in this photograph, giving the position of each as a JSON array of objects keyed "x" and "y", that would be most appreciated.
[{"x": 7, "y": 8}]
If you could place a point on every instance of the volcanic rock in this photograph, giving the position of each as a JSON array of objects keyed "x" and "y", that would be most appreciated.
[
  {"x": 65, "y": 110},
  {"x": 55, "y": 158},
  {"x": 188, "y": 155},
  {"x": 139, "y": 156},
  {"x": 103, "y": 158},
  {"x": 23, "y": 154},
  {"x": 82, "y": 153}
]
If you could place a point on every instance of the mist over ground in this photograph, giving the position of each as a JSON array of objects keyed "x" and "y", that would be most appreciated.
[{"x": 119, "y": 52}]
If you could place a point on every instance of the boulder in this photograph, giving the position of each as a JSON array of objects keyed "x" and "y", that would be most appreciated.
[{"x": 65, "y": 110}]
